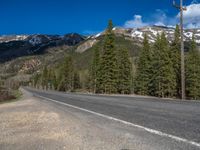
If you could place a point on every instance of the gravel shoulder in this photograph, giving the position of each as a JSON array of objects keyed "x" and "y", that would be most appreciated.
[{"x": 33, "y": 123}]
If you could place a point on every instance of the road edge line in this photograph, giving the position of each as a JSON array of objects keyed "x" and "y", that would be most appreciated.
[{"x": 153, "y": 131}]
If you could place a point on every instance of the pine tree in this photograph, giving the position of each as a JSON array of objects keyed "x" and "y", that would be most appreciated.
[
  {"x": 35, "y": 80},
  {"x": 60, "y": 72},
  {"x": 164, "y": 77},
  {"x": 124, "y": 72},
  {"x": 53, "y": 80},
  {"x": 66, "y": 83},
  {"x": 44, "y": 78},
  {"x": 95, "y": 70},
  {"x": 108, "y": 65},
  {"x": 176, "y": 59},
  {"x": 76, "y": 80},
  {"x": 49, "y": 79},
  {"x": 193, "y": 72},
  {"x": 142, "y": 81}
]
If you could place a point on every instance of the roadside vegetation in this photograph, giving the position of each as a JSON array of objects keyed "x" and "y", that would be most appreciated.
[
  {"x": 154, "y": 71},
  {"x": 8, "y": 95}
]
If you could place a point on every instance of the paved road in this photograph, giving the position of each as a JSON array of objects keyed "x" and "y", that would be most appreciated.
[{"x": 177, "y": 118}]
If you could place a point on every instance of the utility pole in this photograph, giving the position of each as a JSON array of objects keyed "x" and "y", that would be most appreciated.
[{"x": 181, "y": 8}]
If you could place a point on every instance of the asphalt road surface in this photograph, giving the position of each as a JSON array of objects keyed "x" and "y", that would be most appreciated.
[{"x": 176, "y": 120}]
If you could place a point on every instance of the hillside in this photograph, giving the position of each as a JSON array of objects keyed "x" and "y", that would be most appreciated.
[{"x": 25, "y": 55}]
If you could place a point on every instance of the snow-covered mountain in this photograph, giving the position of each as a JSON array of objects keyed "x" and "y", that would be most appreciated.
[
  {"x": 152, "y": 32},
  {"x": 8, "y": 38},
  {"x": 137, "y": 35}
]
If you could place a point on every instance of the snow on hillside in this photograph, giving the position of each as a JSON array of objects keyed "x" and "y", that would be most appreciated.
[
  {"x": 9, "y": 38},
  {"x": 153, "y": 31},
  {"x": 35, "y": 40}
]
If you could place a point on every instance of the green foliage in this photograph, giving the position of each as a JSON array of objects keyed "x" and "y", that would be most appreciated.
[
  {"x": 76, "y": 80},
  {"x": 176, "y": 59},
  {"x": 163, "y": 80},
  {"x": 95, "y": 70},
  {"x": 36, "y": 80},
  {"x": 193, "y": 72},
  {"x": 143, "y": 75},
  {"x": 124, "y": 72},
  {"x": 44, "y": 81},
  {"x": 110, "y": 71},
  {"x": 66, "y": 83},
  {"x": 108, "y": 66}
]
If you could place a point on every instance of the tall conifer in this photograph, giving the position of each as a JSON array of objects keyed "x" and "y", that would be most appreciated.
[
  {"x": 193, "y": 72},
  {"x": 108, "y": 65},
  {"x": 142, "y": 81},
  {"x": 124, "y": 72},
  {"x": 164, "y": 78},
  {"x": 95, "y": 70},
  {"x": 176, "y": 59}
]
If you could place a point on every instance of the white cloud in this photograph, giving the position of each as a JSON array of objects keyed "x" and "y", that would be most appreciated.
[
  {"x": 160, "y": 18},
  {"x": 192, "y": 16},
  {"x": 135, "y": 23}
]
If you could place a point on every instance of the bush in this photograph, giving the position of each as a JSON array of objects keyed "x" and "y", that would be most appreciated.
[{"x": 5, "y": 95}]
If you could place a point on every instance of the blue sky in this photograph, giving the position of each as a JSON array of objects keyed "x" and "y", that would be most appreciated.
[{"x": 87, "y": 16}]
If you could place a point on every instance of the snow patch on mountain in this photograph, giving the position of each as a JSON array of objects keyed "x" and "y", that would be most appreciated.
[
  {"x": 152, "y": 32},
  {"x": 9, "y": 38},
  {"x": 138, "y": 34}
]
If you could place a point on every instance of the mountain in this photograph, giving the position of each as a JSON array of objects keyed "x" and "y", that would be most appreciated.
[
  {"x": 136, "y": 35},
  {"x": 8, "y": 38},
  {"x": 153, "y": 31},
  {"x": 12, "y": 47}
]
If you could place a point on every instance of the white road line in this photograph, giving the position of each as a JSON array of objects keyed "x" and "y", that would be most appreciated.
[{"x": 127, "y": 123}]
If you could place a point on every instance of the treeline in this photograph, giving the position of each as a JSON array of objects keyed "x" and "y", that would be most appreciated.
[
  {"x": 63, "y": 78},
  {"x": 110, "y": 71},
  {"x": 158, "y": 70}
]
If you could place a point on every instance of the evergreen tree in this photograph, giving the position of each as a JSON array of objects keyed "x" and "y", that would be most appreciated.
[
  {"x": 76, "y": 80},
  {"x": 95, "y": 69},
  {"x": 176, "y": 59},
  {"x": 142, "y": 81},
  {"x": 124, "y": 72},
  {"x": 66, "y": 83},
  {"x": 35, "y": 80},
  {"x": 44, "y": 78},
  {"x": 50, "y": 79},
  {"x": 60, "y": 73},
  {"x": 193, "y": 72},
  {"x": 163, "y": 77},
  {"x": 108, "y": 65},
  {"x": 53, "y": 80}
]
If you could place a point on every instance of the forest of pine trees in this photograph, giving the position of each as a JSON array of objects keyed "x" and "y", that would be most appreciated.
[
  {"x": 158, "y": 72},
  {"x": 64, "y": 78},
  {"x": 111, "y": 68},
  {"x": 110, "y": 71}
]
